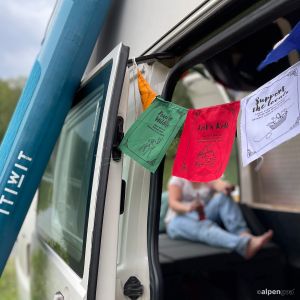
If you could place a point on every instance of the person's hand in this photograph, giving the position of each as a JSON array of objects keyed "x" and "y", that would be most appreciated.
[
  {"x": 224, "y": 187},
  {"x": 194, "y": 205},
  {"x": 229, "y": 189}
]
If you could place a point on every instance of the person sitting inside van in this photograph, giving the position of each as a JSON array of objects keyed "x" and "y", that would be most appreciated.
[{"x": 197, "y": 210}]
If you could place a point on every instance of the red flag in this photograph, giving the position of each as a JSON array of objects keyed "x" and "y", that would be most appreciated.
[{"x": 206, "y": 142}]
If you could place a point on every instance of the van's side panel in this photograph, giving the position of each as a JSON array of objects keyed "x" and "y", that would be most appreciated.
[
  {"x": 132, "y": 244},
  {"x": 141, "y": 23},
  {"x": 145, "y": 24}
]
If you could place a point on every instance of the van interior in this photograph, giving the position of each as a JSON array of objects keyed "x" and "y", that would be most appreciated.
[{"x": 267, "y": 192}]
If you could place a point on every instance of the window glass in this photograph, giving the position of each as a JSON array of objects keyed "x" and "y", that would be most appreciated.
[{"x": 64, "y": 193}]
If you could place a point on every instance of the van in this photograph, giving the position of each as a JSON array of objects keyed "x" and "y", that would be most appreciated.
[{"x": 95, "y": 229}]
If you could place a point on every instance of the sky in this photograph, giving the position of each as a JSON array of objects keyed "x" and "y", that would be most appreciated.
[{"x": 22, "y": 27}]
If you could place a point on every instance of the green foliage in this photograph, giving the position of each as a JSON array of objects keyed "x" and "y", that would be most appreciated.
[
  {"x": 9, "y": 94},
  {"x": 8, "y": 289},
  {"x": 39, "y": 263},
  {"x": 10, "y": 91},
  {"x": 232, "y": 173}
]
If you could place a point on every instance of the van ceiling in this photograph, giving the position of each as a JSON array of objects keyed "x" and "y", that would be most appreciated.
[{"x": 236, "y": 67}]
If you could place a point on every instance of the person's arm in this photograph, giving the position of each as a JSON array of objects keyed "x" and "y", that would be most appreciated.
[
  {"x": 221, "y": 186},
  {"x": 175, "y": 197}
]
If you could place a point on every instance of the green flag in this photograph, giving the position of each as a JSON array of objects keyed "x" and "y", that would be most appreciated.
[{"x": 148, "y": 139}]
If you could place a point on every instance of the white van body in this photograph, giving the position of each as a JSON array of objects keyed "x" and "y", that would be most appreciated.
[{"x": 146, "y": 27}]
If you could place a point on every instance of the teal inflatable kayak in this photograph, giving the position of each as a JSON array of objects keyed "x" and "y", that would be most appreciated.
[{"x": 42, "y": 108}]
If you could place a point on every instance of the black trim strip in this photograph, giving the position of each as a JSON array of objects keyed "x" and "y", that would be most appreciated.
[
  {"x": 176, "y": 26},
  {"x": 231, "y": 35},
  {"x": 156, "y": 279},
  {"x": 103, "y": 178},
  {"x": 123, "y": 195},
  {"x": 151, "y": 57}
]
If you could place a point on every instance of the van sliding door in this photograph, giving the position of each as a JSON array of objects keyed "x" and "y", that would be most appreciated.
[{"x": 73, "y": 195}]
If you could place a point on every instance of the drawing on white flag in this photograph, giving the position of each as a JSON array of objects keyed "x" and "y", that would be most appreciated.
[{"x": 270, "y": 115}]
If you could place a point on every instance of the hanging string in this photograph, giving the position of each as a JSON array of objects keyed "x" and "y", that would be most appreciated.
[
  {"x": 135, "y": 85},
  {"x": 259, "y": 164}
]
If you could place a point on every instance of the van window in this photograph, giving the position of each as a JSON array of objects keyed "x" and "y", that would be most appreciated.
[{"x": 64, "y": 193}]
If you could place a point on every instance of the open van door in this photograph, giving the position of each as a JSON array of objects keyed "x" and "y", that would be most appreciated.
[{"x": 80, "y": 189}]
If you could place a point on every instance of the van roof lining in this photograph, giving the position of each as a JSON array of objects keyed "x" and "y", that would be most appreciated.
[{"x": 229, "y": 37}]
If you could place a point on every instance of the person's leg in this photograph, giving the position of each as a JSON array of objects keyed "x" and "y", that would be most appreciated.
[
  {"x": 189, "y": 227},
  {"x": 223, "y": 208}
]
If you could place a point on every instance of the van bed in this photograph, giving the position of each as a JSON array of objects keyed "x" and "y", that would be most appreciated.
[{"x": 194, "y": 270}]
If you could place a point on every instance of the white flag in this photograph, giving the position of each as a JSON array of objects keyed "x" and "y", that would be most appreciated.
[{"x": 270, "y": 115}]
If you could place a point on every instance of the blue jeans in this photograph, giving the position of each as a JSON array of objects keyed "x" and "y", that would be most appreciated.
[{"x": 221, "y": 209}]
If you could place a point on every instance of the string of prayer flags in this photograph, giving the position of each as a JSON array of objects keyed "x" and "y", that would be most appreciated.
[
  {"x": 148, "y": 139},
  {"x": 289, "y": 43},
  {"x": 270, "y": 115},
  {"x": 146, "y": 92},
  {"x": 206, "y": 141}
]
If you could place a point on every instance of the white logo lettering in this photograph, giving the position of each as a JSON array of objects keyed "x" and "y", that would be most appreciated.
[
  {"x": 16, "y": 178},
  {"x": 4, "y": 212},
  {"x": 23, "y": 156},
  {"x": 3, "y": 200},
  {"x": 13, "y": 178}
]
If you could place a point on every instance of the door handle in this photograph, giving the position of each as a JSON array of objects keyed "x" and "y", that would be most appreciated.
[{"x": 58, "y": 296}]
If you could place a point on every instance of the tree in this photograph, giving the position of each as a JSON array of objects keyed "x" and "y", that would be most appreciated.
[{"x": 10, "y": 92}]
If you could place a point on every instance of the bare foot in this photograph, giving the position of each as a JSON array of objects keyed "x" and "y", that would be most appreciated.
[
  {"x": 257, "y": 242},
  {"x": 246, "y": 233}
]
